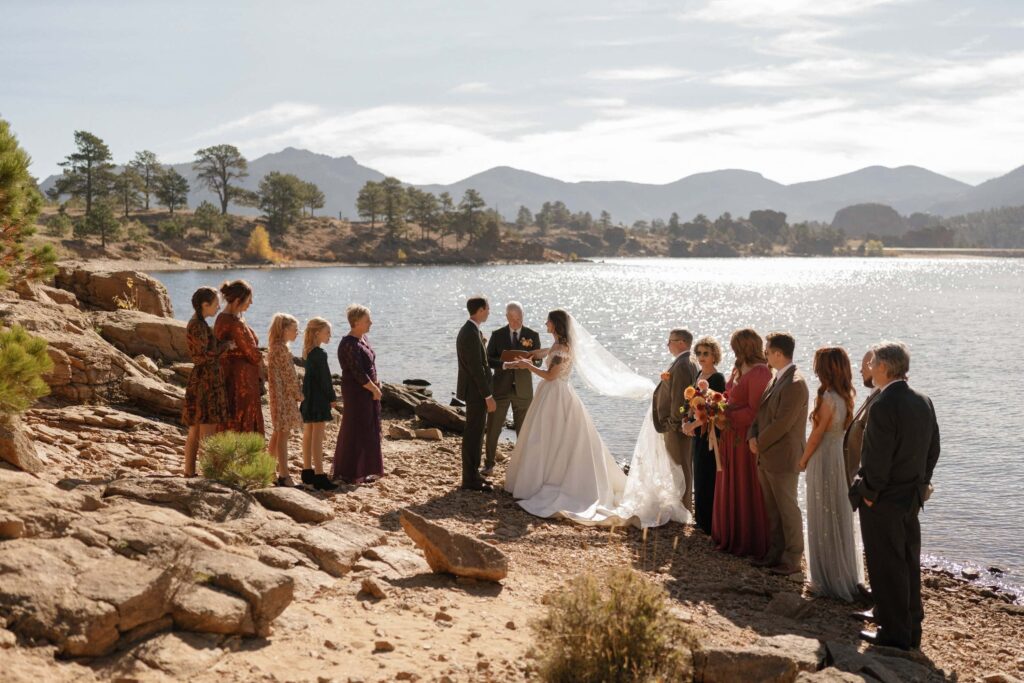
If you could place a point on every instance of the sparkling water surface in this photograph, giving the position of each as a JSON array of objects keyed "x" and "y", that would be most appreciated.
[{"x": 962, "y": 319}]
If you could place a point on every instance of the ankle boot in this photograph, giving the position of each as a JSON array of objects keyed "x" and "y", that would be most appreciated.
[
  {"x": 285, "y": 482},
  {"x": 308, "y": 477},
  {"x": 322, "y": 483}
]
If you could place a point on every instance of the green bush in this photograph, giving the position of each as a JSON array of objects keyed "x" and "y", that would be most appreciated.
[
  {"x": 238, "y": 459},
  {"x": 23, "y": 362},
  {"x": 170, "y": 228},
  {"x": 59, "y": 225},
  {"x": 620, "y": 631}
]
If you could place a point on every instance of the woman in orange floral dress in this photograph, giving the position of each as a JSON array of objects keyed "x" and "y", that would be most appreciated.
[
  {"x": 243, "y": 365},
  {"x": 206, "y": 402},
  {"x": 283, "y": 387}
]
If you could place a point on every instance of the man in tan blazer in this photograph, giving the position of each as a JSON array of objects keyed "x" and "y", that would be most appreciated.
[
  {"x": 777, "y": 437},
  {"x": 668, "y": 399},
  {"x": 854, "y": 437}
]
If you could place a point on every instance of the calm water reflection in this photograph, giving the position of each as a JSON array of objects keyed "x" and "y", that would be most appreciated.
[{"x": 961, "y": 317}]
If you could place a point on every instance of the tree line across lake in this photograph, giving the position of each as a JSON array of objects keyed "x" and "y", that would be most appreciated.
[{"x": 93, "y": 181}]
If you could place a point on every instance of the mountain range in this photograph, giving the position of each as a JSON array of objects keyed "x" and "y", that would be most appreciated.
[{"x": 907, "y": 189}]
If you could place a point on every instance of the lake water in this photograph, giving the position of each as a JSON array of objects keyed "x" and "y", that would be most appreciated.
[{"x": 962, "y": 319}]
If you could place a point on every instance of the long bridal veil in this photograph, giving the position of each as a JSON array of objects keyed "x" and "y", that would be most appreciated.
[{"x": 652, "y": 495}]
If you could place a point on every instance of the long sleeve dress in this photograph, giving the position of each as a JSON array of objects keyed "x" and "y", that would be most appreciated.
[
  {"x": 206, "y": 401},
  {"x": 317, "y": 388},
  {"x": 358, "y": 453},
  {"x": 739, "y": 521},
  {"x": 241, "y": 374},
  {"x": 705, "y": 469},
  {"x": 283, "y": 387}
]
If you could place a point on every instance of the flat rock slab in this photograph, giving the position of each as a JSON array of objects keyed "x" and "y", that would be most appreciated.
[
  {"x": 295, "y": 503},
  {"x": 433, "y": 413},
  {"x": 809, "y": 654},
  {"x": 730, "y": 664},
  {"x": 875, "y": 664},
  {"x": 199, "y": 498},
  {"x": 454, "y": 553}
]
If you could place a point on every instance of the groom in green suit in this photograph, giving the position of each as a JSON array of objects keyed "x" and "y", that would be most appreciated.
[
  {"x": 474, "y": 387},
  {"x": 511, "y": 387}
]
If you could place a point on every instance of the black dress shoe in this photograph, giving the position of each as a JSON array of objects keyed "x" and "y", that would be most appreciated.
[
  {"x": 321, "y": 482},
  {"x": 308, "y": 477},
  {"x": 879, "y": 640},
  {"x": 868, "y": 615},
  {"x": 478, "y": 486}
]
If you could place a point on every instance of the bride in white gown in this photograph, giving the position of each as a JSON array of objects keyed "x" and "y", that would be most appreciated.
[{"x": 560, "y": 466}]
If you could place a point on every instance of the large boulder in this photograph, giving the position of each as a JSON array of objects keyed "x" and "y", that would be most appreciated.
[
  {"x": 454, "y": 553},
  {"x": 15, "y": 445},
  {"x": 267, "y": 590},
  {"x": 103, "y": 290},
  {"x": 400, "y": 399},
  {"x": 728, "y": 664},
  {"x": 86, "y": 368},
  {"x": 135, "y": 332},
  {"x": 154, "y": 395},
  {"x": 295, "y": 503},
  {"x": 433, "y": 413},
  {"x": 334, "y": 546}
]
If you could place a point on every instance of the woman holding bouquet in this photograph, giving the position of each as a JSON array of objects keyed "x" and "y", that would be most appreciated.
[
  {"x": 705, "y": 469},
  {"x": 243, "y": 365},
  {"x": 739, "y": 522}
]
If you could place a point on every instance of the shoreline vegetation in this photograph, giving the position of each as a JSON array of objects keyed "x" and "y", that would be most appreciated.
[{"x": 100, "y": 210}]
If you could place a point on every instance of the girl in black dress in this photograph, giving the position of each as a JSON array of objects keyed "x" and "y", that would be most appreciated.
[
  {"x": 708, "y": 354},
  {"x": 318, "y": 398}
]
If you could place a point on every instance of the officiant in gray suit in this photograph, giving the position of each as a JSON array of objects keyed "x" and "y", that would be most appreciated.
[{"x": 512, "y": 388}]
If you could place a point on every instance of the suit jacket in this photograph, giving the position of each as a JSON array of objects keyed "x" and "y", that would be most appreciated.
[
  {"x": 511, "y": 382},
  {"x": 668, "y": 396},
  {"x": 854, "y": 437},
  {"x": 474, "y": 374},
  {"x": 901, "y": 447},
  {"x": 780, "y": 426}
]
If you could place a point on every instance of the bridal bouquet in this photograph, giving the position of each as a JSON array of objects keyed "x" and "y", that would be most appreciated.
[{"x": 707, "y": 407}]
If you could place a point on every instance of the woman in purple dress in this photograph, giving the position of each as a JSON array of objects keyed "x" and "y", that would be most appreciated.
[{"x": 357, "y": 458}]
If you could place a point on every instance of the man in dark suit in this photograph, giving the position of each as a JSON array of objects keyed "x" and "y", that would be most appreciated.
[
  {"x": 901, "y": 447},
  {"x": 854, "y": 437},
  {"x": 474, "y": 387},
  {"x": 668, "y": 399},
  {"x": 777, "y": 438},
  {"x": 511, "y": 387}
]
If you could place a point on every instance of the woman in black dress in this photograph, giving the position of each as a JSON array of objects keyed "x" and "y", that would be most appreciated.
[
  {"x": 708, "y": 354},
  {"x": 358, "y": 457},
  {"x": 318, "y": 398}
]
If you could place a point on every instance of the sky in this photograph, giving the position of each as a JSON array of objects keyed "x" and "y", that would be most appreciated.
[{"x": 432, "y": 91}]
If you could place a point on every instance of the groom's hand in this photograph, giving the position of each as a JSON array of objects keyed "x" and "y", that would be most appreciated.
[
  {"x": 491, "y": 404},
  {"x": 753, "y": 446}
]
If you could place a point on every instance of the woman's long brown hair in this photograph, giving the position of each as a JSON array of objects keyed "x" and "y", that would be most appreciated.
[{"x": 832, "y": 366}]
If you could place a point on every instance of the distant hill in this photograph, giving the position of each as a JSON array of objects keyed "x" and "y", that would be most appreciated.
[{"x": 906, "y": 188}]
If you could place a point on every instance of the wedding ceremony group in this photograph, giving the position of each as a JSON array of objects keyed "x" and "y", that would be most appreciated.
[{"x": 724, "y": 454}]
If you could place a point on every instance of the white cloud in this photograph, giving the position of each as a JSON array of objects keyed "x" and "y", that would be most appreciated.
[
  {"x": 472, "y": 87},
  {"x": 1002, "y": 72},
  {"x": 596, "y": 102},
  {"x": 780, "y": 13},
  {"x": 643, "y": 73},
  {"x": 807, "y": 72},
  {"x": 277, "y": 115}
]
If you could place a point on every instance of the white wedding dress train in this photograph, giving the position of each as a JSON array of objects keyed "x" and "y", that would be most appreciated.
[{"x": 560, "y": 466}]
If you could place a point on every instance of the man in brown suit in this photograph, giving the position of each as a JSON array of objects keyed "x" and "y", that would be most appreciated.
[
  {"x": 854, "y": 437},
  {"x": 777, "y": 437},
  {"x": 668, "y": 399}
]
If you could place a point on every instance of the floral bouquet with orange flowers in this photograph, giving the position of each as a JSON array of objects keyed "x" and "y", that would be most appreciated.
[{"x": 706, "y": 407}]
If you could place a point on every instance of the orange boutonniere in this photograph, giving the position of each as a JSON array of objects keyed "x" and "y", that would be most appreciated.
[
  {"x": 666, "y": 376},
  {"x": 526, "y": 343}
]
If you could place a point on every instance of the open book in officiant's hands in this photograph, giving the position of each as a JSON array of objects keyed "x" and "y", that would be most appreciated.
[{"x": 515, "y": 354}]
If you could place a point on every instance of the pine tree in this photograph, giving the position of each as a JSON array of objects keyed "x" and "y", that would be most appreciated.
[
  {"x": 312, "y": 197},
  {"x": 19, "y": 205},
  {"x": 147, "y": 167},
  {"x": 88, "y": 171},
  {"x": 219, "y": 166},
  {"x": 172, "y": 189},
  {"x": 393, "y": 207},
  {"x": 370, "y": 202},
  {"x": 207, "y": 218},
  {"x": 100, "y": 221},
  {"x": 23, "y": 362},
  {"x": 281, "y": 197},
  {"x": 127, "y": 185}
]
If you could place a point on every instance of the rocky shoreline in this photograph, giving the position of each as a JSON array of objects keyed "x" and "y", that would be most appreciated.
[{"x": 114, "y": 567}]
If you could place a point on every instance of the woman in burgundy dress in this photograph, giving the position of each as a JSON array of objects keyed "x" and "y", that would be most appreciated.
[
  {"x": 243, "y": 364},
  {"x": 740, "y": 524},
  {"x": 357, "y": 458}
]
